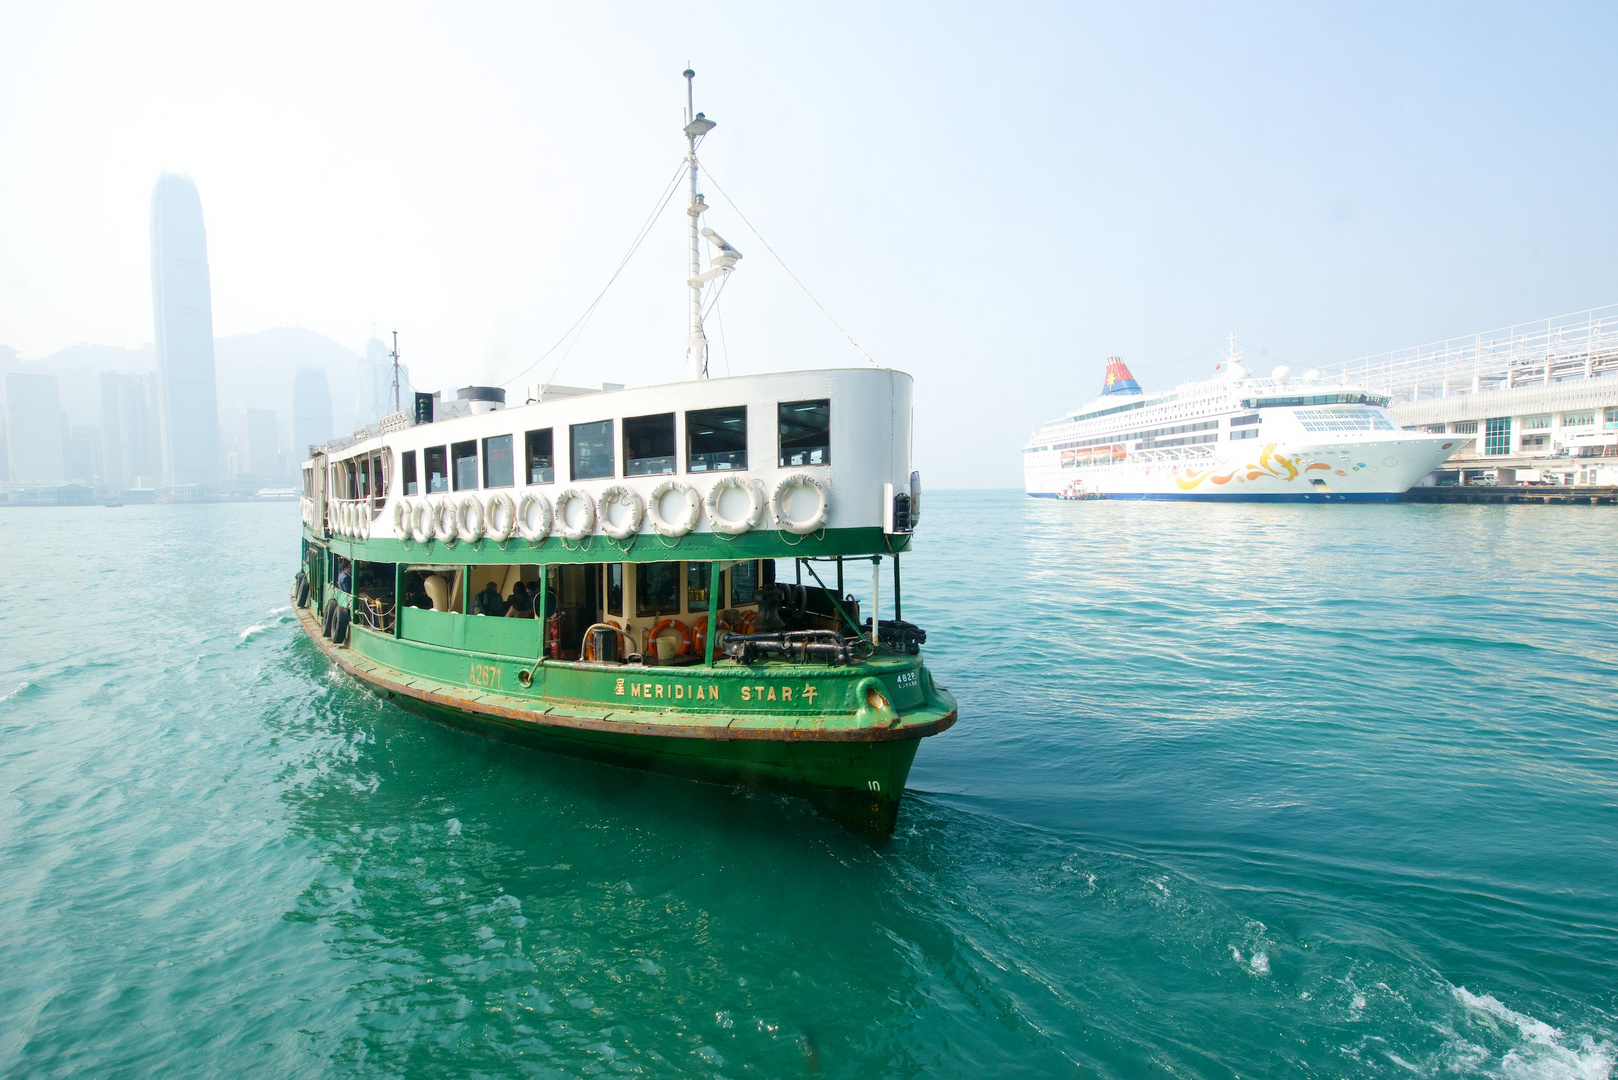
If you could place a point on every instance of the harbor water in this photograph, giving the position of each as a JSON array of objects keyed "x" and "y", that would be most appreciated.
[{"x": 1237, "y": 790}]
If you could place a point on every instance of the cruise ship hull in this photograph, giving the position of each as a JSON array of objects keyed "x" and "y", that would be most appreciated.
[{"x": 1377, "y": 470}]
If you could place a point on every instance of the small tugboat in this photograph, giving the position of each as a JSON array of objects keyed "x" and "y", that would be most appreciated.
[{"x": 595, "y": 571}]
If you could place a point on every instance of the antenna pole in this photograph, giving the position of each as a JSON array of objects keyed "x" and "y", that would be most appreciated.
[
  {"x": 697, "y": 345},
  {"x": 395, "y": 355}
]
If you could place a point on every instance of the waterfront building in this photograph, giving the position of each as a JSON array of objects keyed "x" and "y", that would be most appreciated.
[
  {"x": 84, "y": 454},
  {"x": 311, "y": 410},
  {"x": 182, "y": 314},
  {"x": 124, "y": 435},
  {"x": 257, "y": 457},
  {"x": 36, "y": 443},
  {"x": 1534, "y": 402}
]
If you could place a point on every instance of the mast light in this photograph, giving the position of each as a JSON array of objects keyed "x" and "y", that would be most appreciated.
[{"x": 699, "y": 127}]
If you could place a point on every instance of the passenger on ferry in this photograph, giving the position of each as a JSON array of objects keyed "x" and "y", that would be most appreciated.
[
  {"x": 344, "y": 582},
  {"x": 522, "y": 605},
  {"x": 490, "y": 602}
]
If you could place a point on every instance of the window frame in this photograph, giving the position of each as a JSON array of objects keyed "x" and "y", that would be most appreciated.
[
  {"x": 511, "y": 461},
  {"x": 407, "y": 472},
  {"x": 673, "y": 444},
  {"x": 642, "y": 577},
  {"x": 530, "y": 438},
  {"x": 783, "y": 454},
  {"x": 696, "y": 418},
  {"x": 427, "y": 454},
  {"x": 573, "y": 455},
  {"x": 455, "y": 459}
]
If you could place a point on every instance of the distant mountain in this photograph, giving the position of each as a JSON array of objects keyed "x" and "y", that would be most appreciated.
[{"x": 250, "y": 370}]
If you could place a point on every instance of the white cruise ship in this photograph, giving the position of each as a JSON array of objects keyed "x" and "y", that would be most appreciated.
[{"x": 1236, "y": 437}]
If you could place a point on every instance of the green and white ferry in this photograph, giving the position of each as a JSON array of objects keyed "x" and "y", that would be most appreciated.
[{"x": 651, "y": 576}]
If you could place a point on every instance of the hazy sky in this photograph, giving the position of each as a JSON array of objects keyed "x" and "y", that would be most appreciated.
[{"x": 992, "y": 197}]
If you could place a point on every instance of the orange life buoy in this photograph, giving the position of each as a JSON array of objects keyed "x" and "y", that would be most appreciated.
[
  {"x": 699, "y": 630},
  {"x": 748, "y": 618},
  {"x": 671, "y": 624}
]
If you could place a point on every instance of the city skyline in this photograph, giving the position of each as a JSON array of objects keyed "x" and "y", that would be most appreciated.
[{"x": 182, "y": 318}]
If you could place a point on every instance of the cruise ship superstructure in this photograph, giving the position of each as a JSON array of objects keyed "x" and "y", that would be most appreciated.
[{"x": 1282, "y": 439}]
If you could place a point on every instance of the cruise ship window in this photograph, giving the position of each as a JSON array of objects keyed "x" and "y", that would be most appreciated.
[
  {"x": 591, "y": 450},
  {"x": 657, "y": 589},
  {"x": 464, "y": 456},
  {"x": 805, "y": 433},
  {"x": 498, "y": 468},
  {"x": 436, "y": 466},
  {"x": 649, "y": 445},
  {"x": 540, "y": 464},
  {"x": 409, "y": 472},
  {"x": 615, "y": 589},
  {"x": 716, "y": 439}
]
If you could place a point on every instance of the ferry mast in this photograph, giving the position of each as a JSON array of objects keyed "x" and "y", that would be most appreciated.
[{"x": 724, "y": 260}]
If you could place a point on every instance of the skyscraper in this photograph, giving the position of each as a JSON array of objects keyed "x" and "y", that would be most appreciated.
[
  {"x": 123, "y": 431},
  {"x": 36, "y": 443},
  {"x": 182, "y": 313},
  {"x": 311, "y": 411},
  {"x": 258, "y": 458}
]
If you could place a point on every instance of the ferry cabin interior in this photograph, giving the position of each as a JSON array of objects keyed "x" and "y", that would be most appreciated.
[{"x": 651, "y": 613}]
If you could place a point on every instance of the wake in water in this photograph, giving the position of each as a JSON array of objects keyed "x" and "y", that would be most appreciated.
[
  {"x": 1541, "y": 1050},
  {"x": 14, "y": 691},
  {"x": 278, "y": 617}
]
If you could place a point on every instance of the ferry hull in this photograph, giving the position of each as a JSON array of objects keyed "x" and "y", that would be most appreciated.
[{"x": 852, "y": 772}]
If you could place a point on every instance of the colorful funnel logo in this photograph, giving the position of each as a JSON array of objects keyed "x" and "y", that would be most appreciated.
[{"x": 1119, "y": 380}]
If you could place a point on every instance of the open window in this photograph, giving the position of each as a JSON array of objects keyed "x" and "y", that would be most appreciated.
[
  {"x": 716, "y": 439},
  {"x": 615, "y": 589},
  {"x": 464, "y": 458},
  {"x": 805, "y": 433},
  {"x": 649, "y": 445},
  {"x": 538, "y": 451},
  {"x": 411, "y": 486},
  {"x": 498, "y": 467},
  {"x": 591, "y": 453}
]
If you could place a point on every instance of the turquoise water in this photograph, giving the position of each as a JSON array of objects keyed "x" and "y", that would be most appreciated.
[{"x": 1237, "y": 791}]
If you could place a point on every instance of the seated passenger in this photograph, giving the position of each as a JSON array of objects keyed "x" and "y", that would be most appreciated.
[
  {"x": 489, "y": 601},
  {"x": 344, "y": 582},
  {"x": 522, "y": 605}
]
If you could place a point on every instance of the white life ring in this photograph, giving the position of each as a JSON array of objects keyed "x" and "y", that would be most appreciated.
[
  {"x": 799, "y": 526},
  {"x": 470, "y": 518},
  {"x": 617, "y": 493},
  {"x": 587, "y": 512},
  {"x": 680, "y": 525},
  {"x": 401, "y": 520},
  {"x": 346, "y": 519},
  {"x": 421, "y": 522},
  {"x": 500, "y": 516},
  {"x": 363, "y": 515},
  {"x": 755, "y": 507},
  {"x": 446, "y": 522},
  {"x": 534, "y": 517}
]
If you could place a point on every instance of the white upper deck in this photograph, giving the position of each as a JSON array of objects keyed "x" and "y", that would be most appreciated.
[{"x": 849, "y": 428}]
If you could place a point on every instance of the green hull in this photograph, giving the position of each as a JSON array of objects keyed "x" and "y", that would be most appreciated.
[{"x": 846, "y": 756}]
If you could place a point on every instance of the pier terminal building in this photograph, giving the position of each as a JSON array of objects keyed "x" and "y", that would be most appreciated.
[{"x": 1537, "y": 402}]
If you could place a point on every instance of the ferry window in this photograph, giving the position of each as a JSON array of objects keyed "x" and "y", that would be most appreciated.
[
  {"x": 540, "y": 469},
  {"x": 436, "y": 459},
  {"x": 649, "y": 445},
  {"x": 716, "y": 439},
  {"x": 379, "y": 474},
  {"x": 743, "y": 583},
  {"x": 805, "y": 433},
  {"x": 591, "y": 455},
  {"x": 409, "y": 457},
  {"x": 696, "y": 586},
  {"x": 615, "y": 588},
  {"x": 498, "y": 468},
  {"x": 464, "y": 456},
  {"x": 657, "y": 589}
]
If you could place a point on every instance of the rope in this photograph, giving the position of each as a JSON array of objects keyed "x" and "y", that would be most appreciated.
[
  {"x": 788, "y": 269},
  {"x": 668, "y": 193}
]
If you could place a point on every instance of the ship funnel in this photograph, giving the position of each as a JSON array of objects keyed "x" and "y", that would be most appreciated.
[{"x": 1119, "y": 380}]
